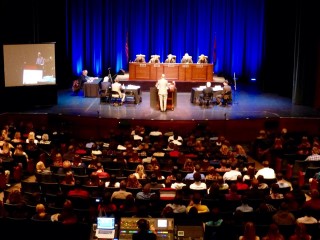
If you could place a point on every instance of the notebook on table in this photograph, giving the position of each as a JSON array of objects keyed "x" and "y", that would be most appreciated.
[{"x": 105, "y": 227}]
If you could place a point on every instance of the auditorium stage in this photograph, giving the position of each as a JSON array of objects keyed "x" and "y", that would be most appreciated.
[{"x": 248, "y": 103}]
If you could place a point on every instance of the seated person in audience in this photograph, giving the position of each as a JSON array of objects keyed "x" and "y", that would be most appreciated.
[
  {"x": 186, "y": 58},
  {"x": 249, "y": 232},
  {"x": 222, "y": 184},
  {"x": 122, "y": 193},
  {"x": 274, "y": 192},
  {"x": 233, "y": 193},
  {"x": 273, "y": 233},
  {"x": 262, "y": 184},
  {"x": 190, "y": 176},
  {"x": 300, "y": 233},
  {"x": 306, "y": 217},
  {"x": 78, "y": 191},
  {"x": 188, "y": 165},
  {"x": 240, "y": 184},
  {"x": 282, "y": 182},
  {"x": 106, "y": 208},
  {"x": 117, "y": 87},
  {"x": 68, "y": 179},
  {"x": 154, "y": 59},
  {"x": 178, "y": 184},
  {"x": 197, "y": 184},
  {"x": 129, "y": 206},
  {"x": 146, "y": 193},
  {"x": 140, "y": 58},
  {"x": 224, "y": 166},
  {"x": 202, "y": 59},
  {"x": 67, "y": 214},
  {"x": 177, "y": 204},
  {"x": 315, "y": 156},
  {"x": 171, "y": 59},
  {"x": 254, "y": 192},
  {"x": 314, "y": 201},
  {"x": 212, "y": 174},
  {"x": 145, "y": 231},
  {"x": 112, "y": 182},
  {"x": 266, "y": 171},
  {"x": 155, "y": 182},
  {"x": 133, "y": 182},
  {"x": 140, "y": 172},
  {"x": 232, "y": 174},
  {"x": 41, "y": 213},
  {"x": 93, "y": 180},
  {"x": 195, "y": 201},
  {"x": 244, "y": 207},
  {"x": 283, "y": 216}
]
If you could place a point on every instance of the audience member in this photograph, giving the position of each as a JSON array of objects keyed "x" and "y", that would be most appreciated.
[
  {"x": 273, "y": 233},
  {"x": 300, "y": 233},
  {"x": 266, "y": 171},
  {"x": 249, "y": 232},
  {"x": 145, "y": 231},
  {"x": 196, "y": 202}
]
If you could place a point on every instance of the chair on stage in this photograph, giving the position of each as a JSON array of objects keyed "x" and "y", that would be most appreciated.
[
  {"x": 104, "y": 92},
  {"x": 227, "y": 98},
  {"x": 206, "y": 99},
  {"x": 115, "y": 98}
]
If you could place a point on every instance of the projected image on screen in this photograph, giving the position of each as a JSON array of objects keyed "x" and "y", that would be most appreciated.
[{"x": 29, "y": 64}]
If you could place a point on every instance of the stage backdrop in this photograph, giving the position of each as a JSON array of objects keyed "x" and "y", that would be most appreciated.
[{"x": 110, "y": 33}]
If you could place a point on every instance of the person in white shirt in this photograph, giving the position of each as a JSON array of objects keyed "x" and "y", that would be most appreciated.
[
  {"x": 117, "y": 87},
  {"x": 163, "y": 85},
  {"x": 266, "y": 171},
  {"x": 197, "y": 184},
  {"x": 232, "y": 174}
]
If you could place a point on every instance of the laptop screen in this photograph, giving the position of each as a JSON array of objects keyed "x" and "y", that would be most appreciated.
[{"x": 105, "y": 223}]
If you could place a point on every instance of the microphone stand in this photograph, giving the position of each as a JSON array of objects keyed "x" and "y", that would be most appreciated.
[
  {"x": 109, "y": 76},
  {"x": 235, "y": 89}
]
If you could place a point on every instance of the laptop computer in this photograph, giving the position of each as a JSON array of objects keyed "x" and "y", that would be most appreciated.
[{"x": 105, "y": 227}]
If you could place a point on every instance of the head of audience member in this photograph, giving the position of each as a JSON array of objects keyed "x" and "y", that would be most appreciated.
[
  {"x": 133, "y": 182},
  {"x": 197, "y": 177},
  {"x": 265, "y": 164}
]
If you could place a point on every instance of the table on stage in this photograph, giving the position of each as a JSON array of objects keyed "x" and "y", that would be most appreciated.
[
  {"x": 135, "y": 91},
  {"x": 91, "y": 89},
  {"x": 173, "y": 71},
  {"x": 196, "y": 91}
]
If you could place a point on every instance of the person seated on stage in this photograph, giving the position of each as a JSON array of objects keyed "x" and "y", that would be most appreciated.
[
  {"x": 206, "y": 92},
  {"x": 186, "y": 58},
  {"x": 154, "y": 59},
  {"x": 117, "y": 87},
  {"x": 171, "y": 59},
  {"x": 226, "y": 90},
  {"x": 85, "y": 78},
  {"x": 203, "y": 59},
  {"x": 140, "y": 58}
]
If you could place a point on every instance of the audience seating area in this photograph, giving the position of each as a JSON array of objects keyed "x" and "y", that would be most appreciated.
[{"x": 119, "y": 155}]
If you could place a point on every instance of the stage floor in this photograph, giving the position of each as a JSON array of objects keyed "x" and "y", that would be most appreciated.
[{"x": 247, "y": 104}]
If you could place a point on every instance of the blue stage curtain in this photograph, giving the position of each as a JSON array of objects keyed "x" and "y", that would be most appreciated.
[{"x": 99, "y": 29}]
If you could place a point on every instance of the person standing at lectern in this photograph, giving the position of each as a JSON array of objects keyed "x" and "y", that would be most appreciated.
[{"x": 162, "y": 85}]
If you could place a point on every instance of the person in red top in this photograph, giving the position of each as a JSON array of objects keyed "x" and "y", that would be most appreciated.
[
  {"x": 240, "y": 184},
  {"x": 78, "y": 191},
  {"x": 314, "y": 202}
]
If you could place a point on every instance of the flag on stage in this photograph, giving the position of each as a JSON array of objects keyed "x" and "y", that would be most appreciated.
[
  {"x": 127, "y": 47},
  {"x": 214, "y": 50}
]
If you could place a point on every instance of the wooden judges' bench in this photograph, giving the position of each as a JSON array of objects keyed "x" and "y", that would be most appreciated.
[{"x": 192, "y": 72}]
